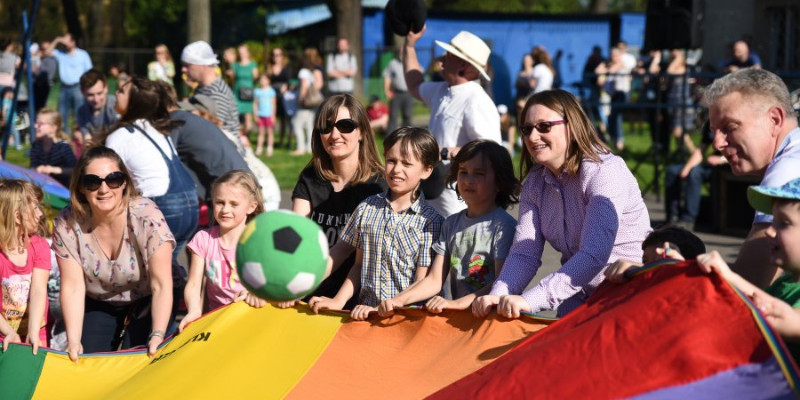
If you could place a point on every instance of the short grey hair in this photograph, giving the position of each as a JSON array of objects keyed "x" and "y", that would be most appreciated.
[{"x": 751, "y": 82}]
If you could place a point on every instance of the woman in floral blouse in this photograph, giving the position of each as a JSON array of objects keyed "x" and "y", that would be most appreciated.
[{"x": 114, "y": 252}]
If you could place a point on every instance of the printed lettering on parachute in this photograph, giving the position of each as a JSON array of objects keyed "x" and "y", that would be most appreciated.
[{"x": 672, "y": 332}]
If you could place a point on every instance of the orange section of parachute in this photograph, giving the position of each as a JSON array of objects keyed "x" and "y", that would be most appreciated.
[{"x": 410, "y": 355}]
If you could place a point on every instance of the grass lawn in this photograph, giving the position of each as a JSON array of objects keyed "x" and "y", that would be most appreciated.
[{"x": 287, "y": 168}]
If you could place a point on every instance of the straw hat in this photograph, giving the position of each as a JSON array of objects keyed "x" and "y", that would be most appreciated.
[{"x": 469, "y": 48}]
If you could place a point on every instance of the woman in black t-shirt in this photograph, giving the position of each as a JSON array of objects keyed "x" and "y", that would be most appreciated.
[{"x": 344, "y": 170}]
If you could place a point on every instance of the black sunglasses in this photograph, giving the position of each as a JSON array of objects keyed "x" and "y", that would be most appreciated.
[
  {"x": 542, "y": 127},
  {"x": 92, "y": 182},
  {"x": 343, "y": 125}
]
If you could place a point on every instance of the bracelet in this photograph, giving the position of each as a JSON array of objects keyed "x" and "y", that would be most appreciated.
[{"x": 156, "y": 333}]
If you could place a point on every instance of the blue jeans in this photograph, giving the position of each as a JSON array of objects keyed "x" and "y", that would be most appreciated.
[
  {"x": 181, "y": 210},
  {"x": 615, "y": 118},
  {"x": 69, "y": 98},
  {"x": 692, "y": 192}
]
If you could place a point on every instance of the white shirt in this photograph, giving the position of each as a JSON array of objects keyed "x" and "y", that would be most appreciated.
[
  {"x": 459, "y": 114},
  {"x": 544, "y": 78},
  {"x": 148, "y": 169}
]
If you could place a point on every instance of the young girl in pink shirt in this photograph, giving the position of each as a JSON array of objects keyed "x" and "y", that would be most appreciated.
[
  {"x": 237, "y": 199},
  {"x": 24, "y": 264}
]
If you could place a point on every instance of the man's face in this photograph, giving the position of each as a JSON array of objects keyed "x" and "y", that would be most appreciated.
[
  {"x": 194, "y": 72},
  {"x": 343, "y": 46},
  {"x": 740, "y": 51},
  {"x": 69, "y": 42},
  {"x": 744, "y": 132},
  {"x": 451, "y": 66},
  {"x": 95, "y": 96}
]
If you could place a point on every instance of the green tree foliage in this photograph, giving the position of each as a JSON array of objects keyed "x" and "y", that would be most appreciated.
[{"x": 535, "y": 6}]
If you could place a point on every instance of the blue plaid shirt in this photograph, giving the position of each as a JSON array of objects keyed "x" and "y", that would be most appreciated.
[{"x": 393, "y": 244}]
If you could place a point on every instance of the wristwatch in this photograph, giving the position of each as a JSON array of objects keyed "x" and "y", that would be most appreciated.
[{"x": 444, "y": 153}]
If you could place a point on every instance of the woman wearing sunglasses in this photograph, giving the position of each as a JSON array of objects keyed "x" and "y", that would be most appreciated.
[
  {"x": 578, "y": 197},
  {"x": 113, "y": 249},
  {"x": 141, "y": 138},
  {"x": 344, "y": 170}
]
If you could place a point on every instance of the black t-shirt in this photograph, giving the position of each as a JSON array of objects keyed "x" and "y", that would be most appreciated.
[{"x": 331, "y": 211}]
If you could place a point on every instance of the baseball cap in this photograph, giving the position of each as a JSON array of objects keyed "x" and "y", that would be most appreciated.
[
  {"x": 200, "y": 102},
  {"x": 761, "y": 197},
  {"x": 199, "y": 53}
]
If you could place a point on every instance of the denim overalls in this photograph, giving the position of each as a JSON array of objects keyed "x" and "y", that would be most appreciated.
[{"x": 179, "y": 205}]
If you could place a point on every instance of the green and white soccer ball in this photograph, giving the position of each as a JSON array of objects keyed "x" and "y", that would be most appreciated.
[{"x": 281, "y": 256}]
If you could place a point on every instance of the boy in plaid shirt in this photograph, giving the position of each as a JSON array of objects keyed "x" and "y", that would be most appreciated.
[{"x": 392, "y": 231}]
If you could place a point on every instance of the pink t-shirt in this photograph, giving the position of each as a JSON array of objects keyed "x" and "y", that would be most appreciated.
[
  {"x": 223, "y": 281},
  {"x": 15, "y": 286}
]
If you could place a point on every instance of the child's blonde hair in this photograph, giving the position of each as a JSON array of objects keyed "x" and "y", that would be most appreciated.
[
  {"x": 15, "y": 198},
  {"x": 53, "y": 117},
  {"x": 247, "y": 181}
]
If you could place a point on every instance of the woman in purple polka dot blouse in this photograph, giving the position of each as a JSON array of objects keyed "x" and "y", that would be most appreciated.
[{"x": 578, "y": 197}]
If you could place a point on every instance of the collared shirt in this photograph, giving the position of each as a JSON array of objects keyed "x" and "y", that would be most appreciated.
[
  {"x": 393, "y": 244},
  {"x": 72, "y": 65},
  {"x": 592, "y": 218},
  {"x": 459, "y": 114},
  {"x": 781, "y": 169}
]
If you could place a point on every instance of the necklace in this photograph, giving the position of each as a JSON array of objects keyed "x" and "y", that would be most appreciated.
[{"x": 102, "y": 250}]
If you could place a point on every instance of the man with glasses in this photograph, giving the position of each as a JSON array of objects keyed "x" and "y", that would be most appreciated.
[
  {"x": 98, "y": 110},
  {"x": 461, "y": 111},
  {"x": 755, "y": 128}
]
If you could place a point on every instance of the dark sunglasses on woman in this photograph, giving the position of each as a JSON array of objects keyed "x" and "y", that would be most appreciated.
[
  {"x": 343, "y": 125},
  {"x": 541, "y": 127},
  {"x": 92, "y": 182}
]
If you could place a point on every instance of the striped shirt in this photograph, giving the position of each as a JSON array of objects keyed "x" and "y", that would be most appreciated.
[
  {"x": 393, "y": 244},
  {"x": 227, "y": 111},
  {"x": 592, "y": 218},
  {"x": 60, "y": 155}
]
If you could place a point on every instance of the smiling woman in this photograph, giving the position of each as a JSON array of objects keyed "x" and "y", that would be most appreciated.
[
  {"x": 344, "y": 170},
  {"x": 578, "y": 197},
  {"x": 113, "y": 249}
]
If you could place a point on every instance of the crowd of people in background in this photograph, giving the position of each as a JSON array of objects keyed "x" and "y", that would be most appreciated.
[{"x": 428, "y": 225}]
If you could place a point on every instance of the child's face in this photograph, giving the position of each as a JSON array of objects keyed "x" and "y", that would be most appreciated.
[
  {"x": 232, "y": 205},
  {"x": 785, "y": 234},
  {"x": 44, "y": 127},
  {"x": 476, "y": 182},
  {"x": 403, "y": 174},
  {"x": 33, "y": 214},
  {"x": 263, "y": 80}
]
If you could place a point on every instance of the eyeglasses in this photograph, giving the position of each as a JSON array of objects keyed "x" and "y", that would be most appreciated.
[
  {"x": 92, "y": 182},
  {"x": 541, "y": 127},
  {"x": 343, "y": 125}
]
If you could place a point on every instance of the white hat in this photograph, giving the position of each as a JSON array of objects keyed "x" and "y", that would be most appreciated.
[
  {"x": 469, "y": 48},
  {"x": 199, "y": 53},
  {"x": 502, "y": 109}
]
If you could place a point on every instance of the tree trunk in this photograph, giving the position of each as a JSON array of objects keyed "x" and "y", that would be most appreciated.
[
  {"x": 71, "y": 16},
  {"x": 199, "y": 15},
  {"x": 598, "y": 6},
  {"x": 349, "y": 26}
]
